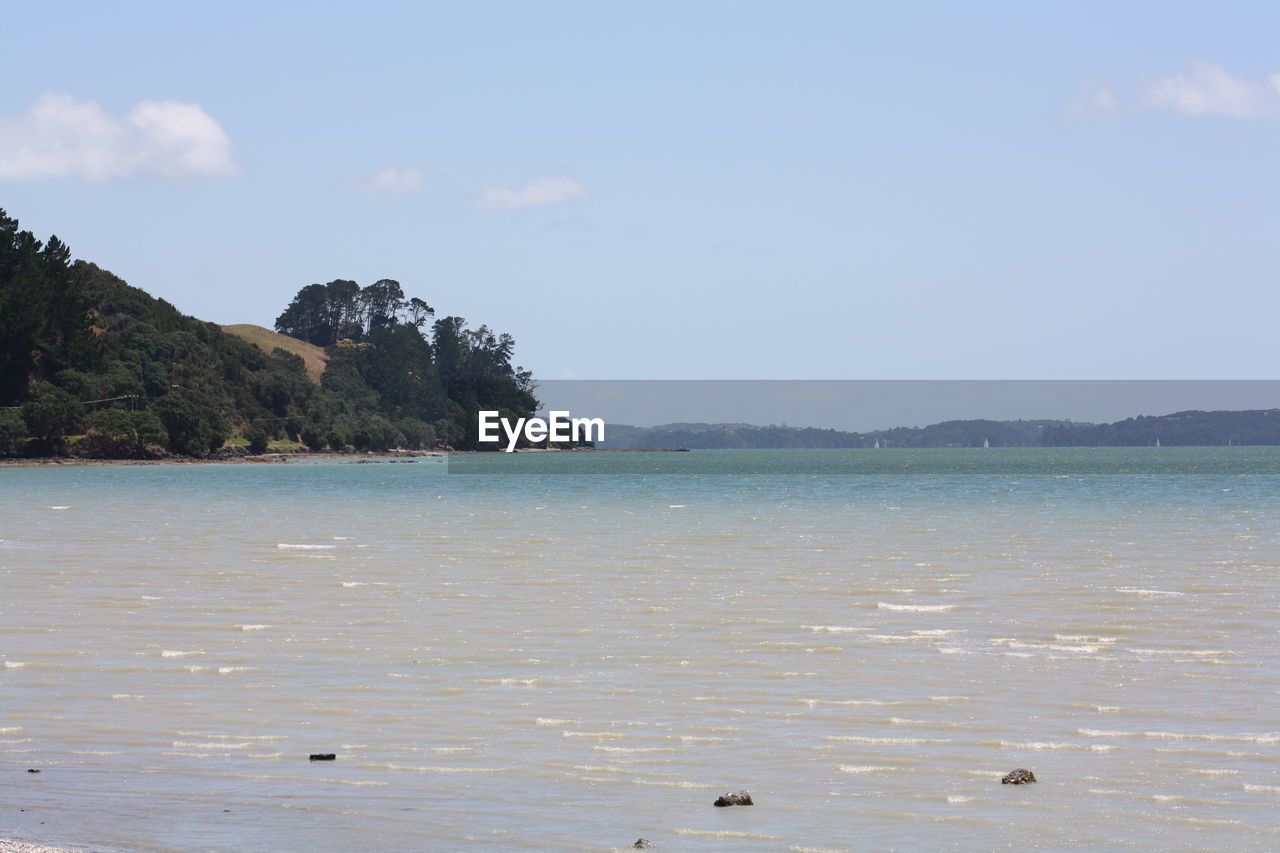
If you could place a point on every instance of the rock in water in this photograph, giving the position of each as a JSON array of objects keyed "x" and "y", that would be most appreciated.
[
  {"x": 742, "y": 798},
  {"x": 1018, "y": 777},
  {"x": 641, "y": 844},
  {"x": 323, "y": 756}
]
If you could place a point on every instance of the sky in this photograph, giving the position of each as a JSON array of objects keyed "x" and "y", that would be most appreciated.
[
  {"x": 862, "y": 405},
  {"x": 683, "y": 190}
]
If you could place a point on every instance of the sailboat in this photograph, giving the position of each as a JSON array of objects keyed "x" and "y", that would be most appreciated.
[{"x": 986, "y": 443}]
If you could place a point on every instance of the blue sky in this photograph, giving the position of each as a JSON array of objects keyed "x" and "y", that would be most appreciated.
[{"x": 663, "y": 190}]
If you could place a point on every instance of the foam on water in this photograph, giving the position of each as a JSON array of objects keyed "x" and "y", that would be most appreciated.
[
  {"x": 435, "y": 768},
  {"x": 885, "y": 740},
  {"x": 1269, "y": 738},
  {"x": 727, "y": 834},
  {"x": 1149, "y": 593}
]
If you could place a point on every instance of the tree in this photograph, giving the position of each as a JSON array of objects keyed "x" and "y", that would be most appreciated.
[
  {"x": 194, "y": 424},
  {"x": 418, "y": 312},
  {"x": 307, "y": 317},
  {"x": 50, "y": 415},
  {"x": 13, "y": 432},
  {"x": 257, "y": 440},
  {"x": 312, "y": 437},
  {"x": 382, "y": 303},
  {"x": 119, "y": 433}
]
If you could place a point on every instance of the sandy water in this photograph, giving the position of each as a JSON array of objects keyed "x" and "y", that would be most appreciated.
[{"x": 572, "y": 662}]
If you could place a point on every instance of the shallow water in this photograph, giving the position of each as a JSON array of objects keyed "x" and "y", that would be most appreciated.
[{"x": 571, "y": 662}]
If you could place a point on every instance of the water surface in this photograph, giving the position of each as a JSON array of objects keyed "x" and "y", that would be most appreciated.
[{"x": 571, "y": 662}]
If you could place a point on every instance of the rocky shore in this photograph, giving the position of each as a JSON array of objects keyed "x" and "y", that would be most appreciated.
[
  {"x": 227, "y": 459},
  {"x": 232, "y": 457}
]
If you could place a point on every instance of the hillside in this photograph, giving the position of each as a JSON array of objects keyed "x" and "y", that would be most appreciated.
[
  {"x": 314, "y": 357},
  {"x": 91, "y": 366}
]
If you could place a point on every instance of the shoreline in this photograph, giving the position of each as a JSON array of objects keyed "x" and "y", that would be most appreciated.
[
  {"x": 388, "y": 456},
  {"x": 261, "y": 459}
]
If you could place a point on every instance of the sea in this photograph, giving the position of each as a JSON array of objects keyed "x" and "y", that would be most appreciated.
[{"x": 571, "y": 652}]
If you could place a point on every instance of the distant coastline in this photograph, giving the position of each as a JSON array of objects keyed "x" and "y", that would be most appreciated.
[{"x": 1255, "y": 427}]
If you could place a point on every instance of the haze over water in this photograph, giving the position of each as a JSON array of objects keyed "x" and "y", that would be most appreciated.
[{"x": 573, "y": 661}]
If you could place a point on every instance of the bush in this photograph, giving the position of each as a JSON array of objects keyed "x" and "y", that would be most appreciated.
[
  {"x": 312, "y": 437},
  {"x": 194, "y": 423},
  {"x": 13, "y": 432},
  {"x": 120, "y": 434},
  {"x": 257, "y": 440},
  {"x": 50, "y": 415}
]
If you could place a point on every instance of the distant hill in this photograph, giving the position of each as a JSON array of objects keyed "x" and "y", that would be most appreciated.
[
  {"x": 1191, "y": 428},
  {"x": 314, "y": 357},
  {"x": 972, "y": 433}
]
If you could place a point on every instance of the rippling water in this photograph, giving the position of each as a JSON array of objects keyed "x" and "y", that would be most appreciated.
[{"x": 572, "y": 662}]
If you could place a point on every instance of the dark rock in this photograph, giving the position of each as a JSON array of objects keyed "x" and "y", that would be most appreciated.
[
  {"x": 32, "y": 770},
  {"x": 1018, "y": 777},
  {"x": 742, "y": 798},
  {"x": 323, "y": 756},
  {"x": 641, "y": 844}
]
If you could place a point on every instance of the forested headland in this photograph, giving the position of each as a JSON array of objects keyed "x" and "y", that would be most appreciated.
[{"x": 93, "y": 367}]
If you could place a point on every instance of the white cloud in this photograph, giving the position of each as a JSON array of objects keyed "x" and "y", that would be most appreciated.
[
  {"x": 392, "y": 180},
  {"x": 536, "y": 193},
  {"x": 1212, "y": 90},
  {"x": 64, "y": 137}
]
